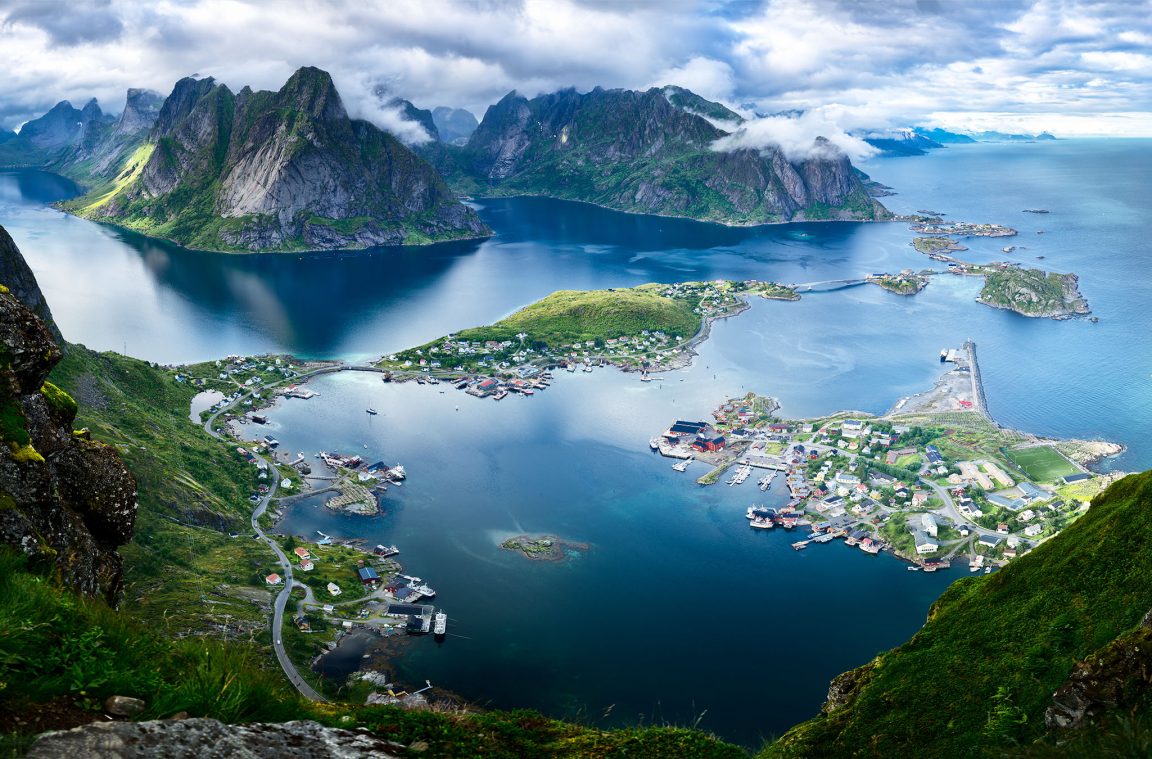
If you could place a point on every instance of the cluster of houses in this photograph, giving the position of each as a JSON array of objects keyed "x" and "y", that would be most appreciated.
[{"x": 519, "y": 357}]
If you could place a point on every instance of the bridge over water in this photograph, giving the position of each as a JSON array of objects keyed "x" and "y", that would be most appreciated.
[{"x": 827, "y": 285}]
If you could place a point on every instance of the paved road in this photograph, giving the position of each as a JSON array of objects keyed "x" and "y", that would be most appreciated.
[{"x": 282, "y": 597}]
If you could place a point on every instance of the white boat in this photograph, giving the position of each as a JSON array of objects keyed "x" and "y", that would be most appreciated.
[
  {"x": 913, "y": 569},
  {"x": 424, "y": 590},
  {"x": 645, "y": 378},
  {"x": 654, "y": 443},
  {"x": 397, "y": 473},
  {"x": 371, "y": 411},
  {"x": 440, "y": 626},
  {"x": 680, "y": 466},
  {"x": 762, "y": 523},
  {"x": 587, "y": 367}
]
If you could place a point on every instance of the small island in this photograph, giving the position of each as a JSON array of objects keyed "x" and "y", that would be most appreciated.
[
  {"x": 544, "y": 547},
  {"x": 907, "y": 282},
  {"x": 1032, "y": 292}
]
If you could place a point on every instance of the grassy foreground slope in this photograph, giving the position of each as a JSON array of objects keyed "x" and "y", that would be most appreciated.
[
  {"x": 977, "y": 678},
  {"x": 183, "y": 571}
]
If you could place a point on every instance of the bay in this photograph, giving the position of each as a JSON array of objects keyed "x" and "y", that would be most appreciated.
[{"x": 679, "y": 611}]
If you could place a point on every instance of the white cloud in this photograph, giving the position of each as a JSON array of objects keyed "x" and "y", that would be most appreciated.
[
  {"x": 795, "y": 137},
  {"x": 893, "y": 62}
]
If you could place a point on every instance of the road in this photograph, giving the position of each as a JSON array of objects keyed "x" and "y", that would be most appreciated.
[{"x": 281, "y": 601}]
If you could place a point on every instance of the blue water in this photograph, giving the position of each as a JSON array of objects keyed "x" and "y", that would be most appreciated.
[{"x": 679, "y": 609}]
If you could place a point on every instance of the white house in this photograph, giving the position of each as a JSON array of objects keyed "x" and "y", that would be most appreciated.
[
  {"x": 927, "y": 522},
  {"x": 925, "y": 543},
  {"x": 334, "y": 589}
]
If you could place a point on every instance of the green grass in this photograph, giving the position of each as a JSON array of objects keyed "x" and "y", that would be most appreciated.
[
  {"x": 1016, "y": 633},
  {"x": 1028, "y": 291},
  {"x": 182, "y": 568},
  {"x": 1041, "y": 463},
  {"x": 569, "y": 316}
]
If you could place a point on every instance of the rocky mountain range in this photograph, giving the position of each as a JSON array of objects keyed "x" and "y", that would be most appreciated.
[
  {"x": 653, "y": 152},
  {"x": 272, "y": 171}
]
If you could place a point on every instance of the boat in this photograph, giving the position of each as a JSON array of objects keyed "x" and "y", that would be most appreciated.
[
  {"x": 681, "y": 466},
  {"x": 654, "y": 443},
  {"x": 440, "y": 626},
  {"x": 800, "y": 545},
  {"x": 987, "y": 570},
  {"x": 762, "y": 523},
  {"x": 500, "y": 395},
  {"x": 397, "y": 473},
  {"x": 913, "y": 569},
  {"x": 424, "y": 591},
  {"x": 571, "y": 367},
  {"x": 325, "y": 540},
  {"x": 587, "y": 367},
  {"x": 645, "y": 378},
  {"x": 371, "y": 411}
]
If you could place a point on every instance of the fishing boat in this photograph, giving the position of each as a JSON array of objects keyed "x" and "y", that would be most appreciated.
[
  {"x": 440, "y": 626},
  {"x": 654, "y": 443}
]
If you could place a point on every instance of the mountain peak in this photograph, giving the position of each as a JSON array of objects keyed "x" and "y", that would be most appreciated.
[{"x": 312, "y": 90}]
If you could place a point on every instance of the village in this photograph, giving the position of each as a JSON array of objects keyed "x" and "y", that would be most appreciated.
[
  {"x": 931, "y": 482},
  {"x": 495, "y": 368}
]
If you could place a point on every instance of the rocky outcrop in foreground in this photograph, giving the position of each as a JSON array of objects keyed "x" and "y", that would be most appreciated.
[
  {"x": 65, "y": 501},
  {"x": 1112, "y": 681},
  {"x": 199, "y": 738}
]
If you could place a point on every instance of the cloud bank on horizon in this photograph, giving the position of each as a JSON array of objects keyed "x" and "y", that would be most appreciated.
[{"x": 1072, "y": 67}]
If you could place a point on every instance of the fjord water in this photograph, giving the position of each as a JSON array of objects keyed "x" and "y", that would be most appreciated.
[{"x": 679, "y": 609}]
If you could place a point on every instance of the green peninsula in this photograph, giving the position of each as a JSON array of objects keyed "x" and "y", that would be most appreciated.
[
  {"x": 649, "y": 326},
  {"x": 1033, "y": 292}
]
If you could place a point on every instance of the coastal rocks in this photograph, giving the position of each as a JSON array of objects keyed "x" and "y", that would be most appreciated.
[
  {"x": 65, "y": 501},
  {"x": 354, "y": 499},
  {"x": 544, "y": 547},
  {"x": 1111, "y": 681},
  {"x": 197, "y": 738}
]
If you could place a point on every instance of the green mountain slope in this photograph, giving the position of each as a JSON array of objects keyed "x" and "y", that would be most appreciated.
[
  {"x": 275, "y": 171},
  {"x": 648, "y": 152},
  {"x": 979, "y": 676}
]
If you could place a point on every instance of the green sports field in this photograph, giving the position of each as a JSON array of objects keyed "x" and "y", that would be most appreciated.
[{"x": 1042, "y": 463}]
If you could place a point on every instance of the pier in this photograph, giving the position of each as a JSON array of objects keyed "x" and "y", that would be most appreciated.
[{"x": 979, "y": 401}]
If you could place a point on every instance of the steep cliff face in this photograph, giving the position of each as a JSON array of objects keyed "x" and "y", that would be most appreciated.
[
  {"x": 21, "y": 282},
  {"x": 285, "y": 170},
  {"x": 66, "y": 501},
  {"x": 652, "y": 152}
]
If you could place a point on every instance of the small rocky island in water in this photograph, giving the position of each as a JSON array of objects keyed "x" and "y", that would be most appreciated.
[{"x": 544, "y": 547}]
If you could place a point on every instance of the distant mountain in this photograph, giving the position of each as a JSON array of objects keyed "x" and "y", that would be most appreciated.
[
  {"x": 943, "y": 136},
  {"x": 45, "y": 138},
  {"x": 649, "y": 152},
  {"x": 282, "y": 171},
  {"x": 455, "y": 125},
  {"x": 993, "y": 136},
  {"x": 905, "y": 142},
  {"x": 409, "y": 111},
  {"x": 101, "y": 147}
]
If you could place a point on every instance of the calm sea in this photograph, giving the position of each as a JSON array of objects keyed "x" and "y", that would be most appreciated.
[{"x": 679, "y": 612}]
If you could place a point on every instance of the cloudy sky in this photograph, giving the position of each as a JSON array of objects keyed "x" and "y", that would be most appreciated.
[{"x": 1072, "y": 67}]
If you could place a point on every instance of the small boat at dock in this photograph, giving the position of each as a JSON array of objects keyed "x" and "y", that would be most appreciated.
[
  {"x": 681, "y": 466},
  {"x": 800, "y": 545},
  {"x": 913, "y": 569},
  {"x": 440, "y": 624}
]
